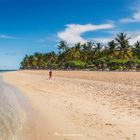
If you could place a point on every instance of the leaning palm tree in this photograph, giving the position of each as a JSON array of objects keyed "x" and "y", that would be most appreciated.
[{"x": 123, "y": 46}]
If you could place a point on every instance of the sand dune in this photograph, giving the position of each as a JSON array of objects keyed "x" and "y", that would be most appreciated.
[{"x": 81, "y": 105}]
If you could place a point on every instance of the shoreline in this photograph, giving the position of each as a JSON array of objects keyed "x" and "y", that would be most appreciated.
[
  {"x": 12, "y": 116},
  {"x": 28, "y": 131},
  {"x": 16, "y": 124},
  {"x": 81, "y": 105}
]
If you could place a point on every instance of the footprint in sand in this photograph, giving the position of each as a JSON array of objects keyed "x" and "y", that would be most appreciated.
[
  {"x": 118, "y": 131},
  {"x": 128, "y": 138},
  {"x": 109, "y": 134}
]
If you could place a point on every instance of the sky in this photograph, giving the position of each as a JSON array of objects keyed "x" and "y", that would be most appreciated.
[{"x": 28, "y": 26}]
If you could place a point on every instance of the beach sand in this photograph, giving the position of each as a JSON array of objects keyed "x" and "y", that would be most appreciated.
[
  {"x": 13, "y": 118},
  {"x": 80, "y": 105}
]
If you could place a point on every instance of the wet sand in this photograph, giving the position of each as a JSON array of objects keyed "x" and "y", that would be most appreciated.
[
  {"x": 12, "y": 117},
  {"x": 81, "y": 105},
  {"x": 13, "y": 114}
]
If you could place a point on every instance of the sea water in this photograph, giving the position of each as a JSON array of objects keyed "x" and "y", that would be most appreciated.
[{"x": 12, "y": 116}]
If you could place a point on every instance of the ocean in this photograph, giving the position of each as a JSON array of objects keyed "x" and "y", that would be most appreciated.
[{"x": 12, "y": 116}]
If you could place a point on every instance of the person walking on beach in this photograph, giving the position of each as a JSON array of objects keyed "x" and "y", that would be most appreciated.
[{"x": 50, "y": 74}]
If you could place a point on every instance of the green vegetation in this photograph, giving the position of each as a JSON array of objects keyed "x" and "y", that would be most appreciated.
[{"x": 118, "y": 54}]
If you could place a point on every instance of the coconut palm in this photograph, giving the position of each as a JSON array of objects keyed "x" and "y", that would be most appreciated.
[
  {"x": 87, "y": 52},
  {"x": 136, "y": 49},
  {"x": 25, "y": 62},
  {"x": 123, "y": 46},
  {"x": 111, "y": 49},
  {"x": 98, "y": 50},
  {"x": 89, "y": 45},
  {"x": 117, "y": 54},
  {"x": 62, "y": 46}
]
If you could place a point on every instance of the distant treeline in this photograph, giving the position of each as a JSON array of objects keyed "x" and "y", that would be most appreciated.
[{"x": 117, "y": 54}]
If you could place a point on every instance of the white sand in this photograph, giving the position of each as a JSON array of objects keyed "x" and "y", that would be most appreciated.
[{"x": 81, "y": 105}]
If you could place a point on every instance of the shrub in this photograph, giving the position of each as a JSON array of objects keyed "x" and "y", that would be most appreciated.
[
  {"x": 91, "y": 67},
  {"x": 52, "y": 66},
  {"x": 101, "y": 63},
  {"x": 75, "y": 64},
  {"x": 117, "y": 64}
]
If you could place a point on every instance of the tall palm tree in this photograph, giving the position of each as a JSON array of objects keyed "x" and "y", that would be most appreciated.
[
  {"x": 87, "y": 54},
  {"x": 25, "y": 62},
  {"x": 136, "y": 49},
  {"x": 77, "y": 50},
  {"x": 78, "y": 46},
  {"x": 123, "y": 46},
  {"x": 111, "y": 49},
  {"x": 50, "y": 58},
  {"x": 98, "y": 50},
  {"x": 73, "y": 54},
  {"x": 89, "y": 45},
  {"x": 62, "y": 46},
  {"x": 38, "y": 60}
]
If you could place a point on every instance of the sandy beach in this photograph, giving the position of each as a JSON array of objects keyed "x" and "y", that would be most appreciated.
[{"x": 79, "y": 105}]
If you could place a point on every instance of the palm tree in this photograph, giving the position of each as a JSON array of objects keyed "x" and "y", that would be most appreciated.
[
  {"x": 38, "y": 60},
  {"x": 78, "y": 46},
  {"x": 84, "y": 52},
  {"x": 111, "y": 49},
  {"x": 77, "y": 51},
  {"x": 73, "y": 54},
  {"x": 136, "y": 49},
  {"x": 25, "y": 62},
  {"x": 87, "y": 52},
  {"x": 50, "y": 59},
  {"x": 123, "y": 46},
  {"x": 118, "y": 54},
  {"x": 62, "y": 46},
  {"x": 98, "y": 50},
  {"x": 89, "y": 45}
]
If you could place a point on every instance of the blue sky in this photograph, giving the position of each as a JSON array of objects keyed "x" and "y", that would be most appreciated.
[{"x": 28, "y": 26}]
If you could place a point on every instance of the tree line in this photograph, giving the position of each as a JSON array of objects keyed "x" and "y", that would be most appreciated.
[{"x": 117, "y": 54}]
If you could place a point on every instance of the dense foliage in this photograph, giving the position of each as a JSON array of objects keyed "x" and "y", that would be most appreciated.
[{"x": 118, "y": 54}]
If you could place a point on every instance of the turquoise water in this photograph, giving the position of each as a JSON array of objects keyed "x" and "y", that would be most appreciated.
[{"x": 12, "y": 116}]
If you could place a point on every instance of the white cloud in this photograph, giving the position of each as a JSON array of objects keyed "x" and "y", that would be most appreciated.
[
  {"x": 72, "y": 33},
  {"x": 7, "y": 37},
  {"x": 134, "y": 18},
  {"x": 134, "y": 37},
  {"x": 102, "y": 40}
]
